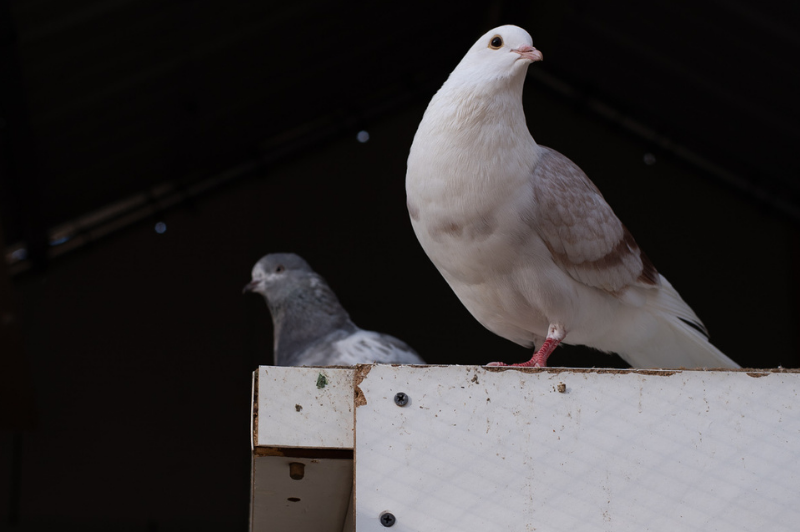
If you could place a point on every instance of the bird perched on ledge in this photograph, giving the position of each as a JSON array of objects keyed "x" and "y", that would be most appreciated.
[
  {"x": 524, "y": 238},
  {"x": 311, "y": 328}
]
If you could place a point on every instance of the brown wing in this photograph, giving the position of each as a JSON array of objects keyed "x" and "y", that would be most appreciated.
[{"x": 582, "y": 232}]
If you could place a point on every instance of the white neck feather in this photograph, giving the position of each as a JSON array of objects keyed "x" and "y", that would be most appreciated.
[{"x": 473, "y": 126}]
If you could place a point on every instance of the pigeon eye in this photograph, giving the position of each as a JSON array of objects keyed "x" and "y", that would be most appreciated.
[
  {"x": 496, "y": 43},
  {"x": 280, "y": 268}
]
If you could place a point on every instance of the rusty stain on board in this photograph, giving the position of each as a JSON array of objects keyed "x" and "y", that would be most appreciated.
[
  {"x": 601, "y": 371},
  {"x": 362, "y": 371},
  {"x": 752, "y": 372}
]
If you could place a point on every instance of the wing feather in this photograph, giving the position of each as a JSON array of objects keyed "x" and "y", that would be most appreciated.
[{"x": 581, "y": 231}]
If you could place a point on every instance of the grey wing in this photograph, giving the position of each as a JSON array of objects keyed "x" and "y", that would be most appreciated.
[
  {"x": 580, "y": 229},
  {"x": 365, "y": 347}
]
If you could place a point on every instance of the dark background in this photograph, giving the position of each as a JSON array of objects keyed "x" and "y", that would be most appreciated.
[{"x": 127, "y": 353}]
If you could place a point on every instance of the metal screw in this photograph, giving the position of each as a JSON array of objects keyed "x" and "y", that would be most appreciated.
[
  {"x": 297, "y": 470},
  {"x": 400, "y": 399},
  {"x": 388, "y": 519},
  {"x": 562, "y": 387}
]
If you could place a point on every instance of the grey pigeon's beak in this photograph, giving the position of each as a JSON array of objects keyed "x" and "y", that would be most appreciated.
[
  {"x": 529, "y": 52},
  {"x": 251, "y": 286}
]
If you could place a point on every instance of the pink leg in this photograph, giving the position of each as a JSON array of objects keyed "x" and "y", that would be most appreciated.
[{"x": 539, "y": 360}]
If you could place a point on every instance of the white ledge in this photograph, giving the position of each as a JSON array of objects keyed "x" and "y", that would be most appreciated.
[{"x": 476, "y": 448}]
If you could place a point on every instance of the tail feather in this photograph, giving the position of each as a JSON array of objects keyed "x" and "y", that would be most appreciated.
[{"x": 675, "y": 337}]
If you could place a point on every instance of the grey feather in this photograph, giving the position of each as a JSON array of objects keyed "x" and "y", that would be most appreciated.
[{"x": 311, "y": 328}]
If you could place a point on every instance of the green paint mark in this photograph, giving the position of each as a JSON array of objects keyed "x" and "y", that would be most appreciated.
[{"x": 322, "y": 381}]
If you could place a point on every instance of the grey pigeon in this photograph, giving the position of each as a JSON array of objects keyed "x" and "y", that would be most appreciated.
[
  {"x": 311, "y": 328},
  {"x": 524, "y": 238}
]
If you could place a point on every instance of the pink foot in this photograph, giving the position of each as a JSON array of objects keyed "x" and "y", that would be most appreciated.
[{"x": 539, "y": 359}]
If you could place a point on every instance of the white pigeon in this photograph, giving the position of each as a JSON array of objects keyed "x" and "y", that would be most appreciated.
[
  {"x": 311, "y": 328},
  {"x": 524, "y": 238}
]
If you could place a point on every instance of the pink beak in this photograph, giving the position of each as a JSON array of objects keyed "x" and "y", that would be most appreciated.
[
  {"x": 529, "y": 52},
  {"x": 249, "y": 287}
]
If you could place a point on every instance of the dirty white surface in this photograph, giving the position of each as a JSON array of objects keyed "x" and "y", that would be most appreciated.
[
  {"x": 297, "y": 408},
  {"x": 479, "y": 450},
  {"x": 319, "y": 502}
]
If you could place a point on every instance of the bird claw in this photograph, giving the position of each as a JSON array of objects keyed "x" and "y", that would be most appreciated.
[
  {"x": 520, "y": 365},
  {"x": 539, "y": 358},
  {"x": 536, "y": 362}
]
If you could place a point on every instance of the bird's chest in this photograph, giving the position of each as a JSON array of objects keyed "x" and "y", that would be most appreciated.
[
  {"x": 460, "y": 240},
  {"x": 466, "y": 213}
]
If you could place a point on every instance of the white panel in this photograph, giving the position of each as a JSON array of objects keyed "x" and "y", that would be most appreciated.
[
  {"x": 319, "y": 502},
  {"x": 304, "y": 407},
  {"x": 478, "y": 449}
]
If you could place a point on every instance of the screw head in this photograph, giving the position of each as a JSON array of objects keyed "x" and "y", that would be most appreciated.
[
  {"x": 562, "y": 388},
  {"x": 400, "y": 399},
  {"x": 388, "y": 519},
  {"x": 297, "y": 470}
]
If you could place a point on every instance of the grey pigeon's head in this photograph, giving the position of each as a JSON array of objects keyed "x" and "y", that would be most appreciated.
[
  {"x": 277, "y": 275},
  {"x": 303, "y": 306},
  {"x": 289, "y": 284}
]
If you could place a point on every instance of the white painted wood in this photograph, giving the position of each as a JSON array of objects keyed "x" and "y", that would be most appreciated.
[
  {"x": 483, "y": 450},
  {"x": 296, "y": 409},
  {"x": 319, "y": 502},
  {"x": 253, "y": 405}
]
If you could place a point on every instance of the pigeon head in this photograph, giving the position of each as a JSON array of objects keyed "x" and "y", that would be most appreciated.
[
  {"x": 289, "y": 284},
  {"x": 302, "y": 305},
  {"x": 500, "y": 53},
  {"x": 276, "y": 275}
]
